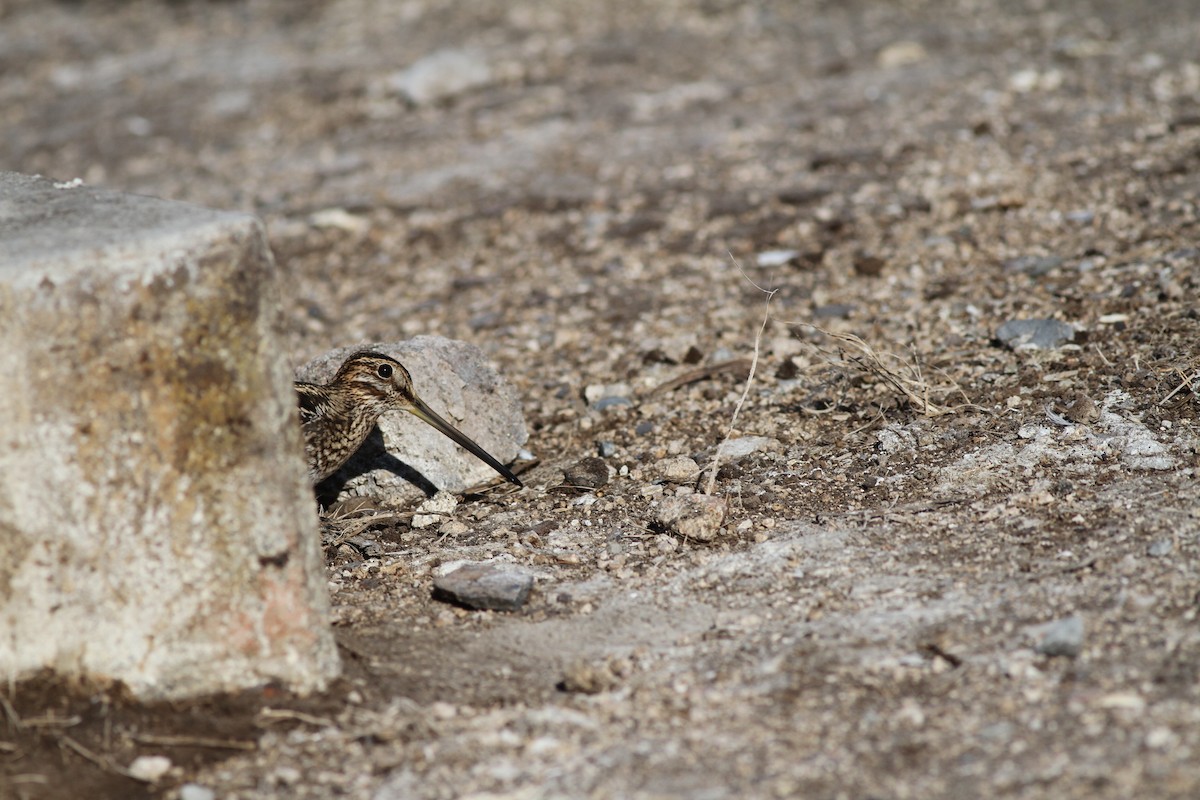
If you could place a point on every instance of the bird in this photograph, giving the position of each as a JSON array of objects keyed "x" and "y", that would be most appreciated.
[{"x": 337, "y": 417}]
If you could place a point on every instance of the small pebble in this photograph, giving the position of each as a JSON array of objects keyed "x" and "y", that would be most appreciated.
[
  {"x": 482, "y": 585},
  {"x": 606, "y": 449},
  {"x": 611, "y": 401},
  {"x": 1083, "y": 410},
  {"x": 585, "y": 678},
  {"x": 595, "y": 392},
  {"x": 775, "y": 258},
  {"x": 1160, "y": 548},
  {"x": 901, "y": 54},
  {"x": 833, "y": 311},
  {"x": 1034, "y": 266},
  {"x": 453, "y": 528},
  {"x": 441, "y": 75},
  {"x": 693, "y": 516},
  {"x": 194, "y": 791},
  {"x": 149, "y": 768},
  {"x": 1062, "y": 637},
  {"x": 679, "y": 469},
  {"x": 434, "y": 510},
  {"x": 587, "y": 473}
]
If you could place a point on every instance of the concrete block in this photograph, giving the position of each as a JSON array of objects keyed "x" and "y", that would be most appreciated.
[
  {"x": 408, "y": 459},
  {"x": 156, "y": 524}
]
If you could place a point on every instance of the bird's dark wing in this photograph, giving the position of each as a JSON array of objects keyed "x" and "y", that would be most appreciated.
[{"x": 314, "y": 404}]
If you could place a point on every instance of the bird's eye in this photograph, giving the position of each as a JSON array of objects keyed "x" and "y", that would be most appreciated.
[{"x": 384, "y": 371}]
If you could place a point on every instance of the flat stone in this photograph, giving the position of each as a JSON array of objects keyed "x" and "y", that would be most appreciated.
[
  {"x": 1035, "y": 334},
  {"x": 156, "y": 523},
  {"x": 407, "y": 458},
  {"x": 739, "y": 448},
  {"x": 484, "y": 586}
]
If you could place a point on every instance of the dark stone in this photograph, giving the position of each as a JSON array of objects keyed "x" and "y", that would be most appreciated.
[
  {"x": 587, "y": 473},
  {"x": 1034, "y": 266}
]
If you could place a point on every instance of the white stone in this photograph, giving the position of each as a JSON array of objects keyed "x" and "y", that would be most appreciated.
[{"x": 149, "y": 768}]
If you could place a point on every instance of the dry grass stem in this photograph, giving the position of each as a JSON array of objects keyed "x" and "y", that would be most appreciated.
[
  {"x": 716, "y": 462},
  {"x": 193, "y": 741},
  {"x": 903, "y": 376},
  {"x": 1187, "y": 382}
]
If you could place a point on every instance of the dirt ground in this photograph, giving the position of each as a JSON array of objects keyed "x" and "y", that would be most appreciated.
[{"x": 601, "y": 197}]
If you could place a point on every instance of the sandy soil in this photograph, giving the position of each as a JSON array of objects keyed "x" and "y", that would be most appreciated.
[{"x": 604, "y": 198}]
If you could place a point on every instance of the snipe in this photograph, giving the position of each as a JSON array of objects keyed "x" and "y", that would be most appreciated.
[{"x": 338, "y": 417}]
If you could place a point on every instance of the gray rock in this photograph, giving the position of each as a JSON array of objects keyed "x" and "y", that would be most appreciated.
[
  {"x": 833, "y": 311},
  {"x": 484, "y": 586},
  {"x": 1160, "y": 548},
  {"x": 588, "y": 473},
  {"x": 407, "y": 458},
  {"x": 1062, "y": 637},
  {"x": 611, "y": 402},
  {"x": 737, "y": 449},
  {"x": 1035, "y": 266},
  {"x": 156, "y": 525},
  {"x": 1035, "y": 334},
  {"x": 441, "y": 76},
  {"x": 606, "y": 449}
]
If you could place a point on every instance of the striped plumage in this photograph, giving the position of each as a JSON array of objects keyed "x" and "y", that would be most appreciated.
[{"x": 338, "y": 417}]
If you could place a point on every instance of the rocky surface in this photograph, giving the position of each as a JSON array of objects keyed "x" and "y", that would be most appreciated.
[{"x": 601, "y": 200}]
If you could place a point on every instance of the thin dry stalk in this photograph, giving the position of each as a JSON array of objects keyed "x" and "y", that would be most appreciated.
[
  {"x": 348, "y": 530},
  {"x": 716, "y": 462},
  {"x": 269, "y": 715},
  {"x": 907, "y": 380},
  {"x": 1188, "y": 382},
  {"x": 160, "y": 740},
  {"x": 103, "y": 762}
]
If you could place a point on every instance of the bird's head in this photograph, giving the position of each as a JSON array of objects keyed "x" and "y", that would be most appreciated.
[
  {"x": 378, "y": 380},
  {"x": 383, "y": 383}
]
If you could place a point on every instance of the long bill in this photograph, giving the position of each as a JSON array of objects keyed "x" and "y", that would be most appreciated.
[{"x": 426, "y": 414}]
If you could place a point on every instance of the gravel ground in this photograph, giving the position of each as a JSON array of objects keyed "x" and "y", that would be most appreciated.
[{"x": 939, "y": 565}]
